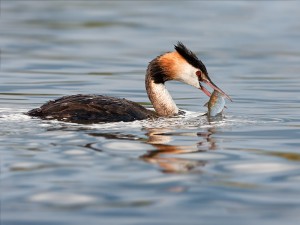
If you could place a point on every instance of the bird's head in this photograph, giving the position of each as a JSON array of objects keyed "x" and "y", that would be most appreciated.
[{"x": 184, "y": 66}]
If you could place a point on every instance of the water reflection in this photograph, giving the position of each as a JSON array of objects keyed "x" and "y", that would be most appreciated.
[
  {"x": 209, "y": 143},
  {"x": 172, "y": 164},
  {"x": 159, "y": 139},
  {"x": 166, "y": 155}
]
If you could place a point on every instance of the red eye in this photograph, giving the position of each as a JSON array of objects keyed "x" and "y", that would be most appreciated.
[{"x": 198, "y": 73}]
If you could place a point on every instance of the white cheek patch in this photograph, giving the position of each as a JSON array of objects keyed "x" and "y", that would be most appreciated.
[{"x": 187, "y": 74}]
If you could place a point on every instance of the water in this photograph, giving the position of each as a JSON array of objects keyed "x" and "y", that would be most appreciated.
[{"x": 243, "y": 169}]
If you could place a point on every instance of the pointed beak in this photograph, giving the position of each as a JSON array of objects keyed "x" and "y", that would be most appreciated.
[
  {"x": 215, "y": 87},
  {"x": 204, "y": 90},
  {"x": 212, "y": 85}
]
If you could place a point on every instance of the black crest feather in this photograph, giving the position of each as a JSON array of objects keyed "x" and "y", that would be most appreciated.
[{"x": 190, "y": 57}]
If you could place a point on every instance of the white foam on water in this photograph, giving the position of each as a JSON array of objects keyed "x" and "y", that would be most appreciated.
[{"x": 7, "y": 114}]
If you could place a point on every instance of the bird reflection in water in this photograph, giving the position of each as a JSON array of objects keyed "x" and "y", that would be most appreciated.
[
  {"x": 168, "y": 157},
  {"x": 165, "y": 154},
  {"x": 208, "y": 143}
]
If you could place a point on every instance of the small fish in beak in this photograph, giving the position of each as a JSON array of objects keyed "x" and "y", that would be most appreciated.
[
  {"x": 215, "y": 104},
  {"x": 204, "y": 78},
  {"x": 215, "y": 87}
]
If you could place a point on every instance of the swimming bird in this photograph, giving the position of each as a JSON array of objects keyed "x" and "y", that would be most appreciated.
[{"x": 180, "y": 65}]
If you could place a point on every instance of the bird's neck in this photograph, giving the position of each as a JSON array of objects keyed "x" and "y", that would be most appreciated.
[{"x": 160, "y": 98}]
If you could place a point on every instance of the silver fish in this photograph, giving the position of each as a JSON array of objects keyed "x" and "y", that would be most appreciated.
[{"x": 215, "y": 104}]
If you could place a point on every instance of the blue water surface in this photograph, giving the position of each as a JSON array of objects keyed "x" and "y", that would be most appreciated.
[{"x": 243, "y": 169}]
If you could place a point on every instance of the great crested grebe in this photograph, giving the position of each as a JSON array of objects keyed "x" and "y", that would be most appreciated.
[{"x": 180, "y": 65}]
